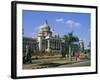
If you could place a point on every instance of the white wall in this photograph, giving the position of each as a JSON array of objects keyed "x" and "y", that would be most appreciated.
[{"x": 5, "y": 37}]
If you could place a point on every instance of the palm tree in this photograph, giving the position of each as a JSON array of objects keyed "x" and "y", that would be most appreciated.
[{"x": 69, "y": 38}]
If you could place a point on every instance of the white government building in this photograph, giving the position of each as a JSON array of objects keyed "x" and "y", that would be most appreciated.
[{"x": 46, "y": 41}]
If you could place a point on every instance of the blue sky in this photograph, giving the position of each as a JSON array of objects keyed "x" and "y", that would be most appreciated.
[{"x": 60, "y": 22}]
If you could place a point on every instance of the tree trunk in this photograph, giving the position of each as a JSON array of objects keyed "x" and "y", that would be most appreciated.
[{"x": 69, "y": 52}]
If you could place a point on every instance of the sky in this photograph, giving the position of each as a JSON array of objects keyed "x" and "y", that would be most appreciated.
[{"x": 60, "y": 23}]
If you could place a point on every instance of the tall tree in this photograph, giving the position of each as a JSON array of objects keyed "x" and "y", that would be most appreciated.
[
  {"x": 89, "y": 46},
  {"x": 69, "y": 39}
]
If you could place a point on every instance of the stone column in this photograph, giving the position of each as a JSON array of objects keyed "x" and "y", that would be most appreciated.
[
  {"x": 26, "y": 47},
  {"x": 48, "y": 45},
  {"x": 40, "y": 43},
  {"x": 59, "y": 47},
  {"x": 56, "y": 45}
]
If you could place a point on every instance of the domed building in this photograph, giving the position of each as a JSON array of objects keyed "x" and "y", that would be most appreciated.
[
  {"x": 46, "y": 41},
  {"x": 45, "y": 30}
]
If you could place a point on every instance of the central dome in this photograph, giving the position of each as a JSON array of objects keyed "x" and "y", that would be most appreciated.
[
  {"x": 45, "y": 26},
  {"x": 45, "y": 30}
]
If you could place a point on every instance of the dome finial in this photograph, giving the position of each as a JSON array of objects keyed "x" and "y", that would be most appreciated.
[{"x": 46, "y": 22}]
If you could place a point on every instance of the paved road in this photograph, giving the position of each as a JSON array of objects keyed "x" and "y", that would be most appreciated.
[
  {"x": 79, "y": 64},
  {"x": 55, "y": 63}
]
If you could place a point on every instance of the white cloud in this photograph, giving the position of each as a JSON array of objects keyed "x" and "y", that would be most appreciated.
[
  {"x": 77, "y": 24},
  {"x": 38, "y": 28},
  {"x": 60, "y": 20},
  {"x": 71, "y": 23}
]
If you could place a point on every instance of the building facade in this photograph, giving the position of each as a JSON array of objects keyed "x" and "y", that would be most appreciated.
[{"x": 45, "y": 41}]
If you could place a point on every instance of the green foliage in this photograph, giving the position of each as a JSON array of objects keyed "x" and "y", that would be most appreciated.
[
  {"x": 89, "y": 44},
  {"x": 68, "y": 39},
  {"x": 64, "y": 52}
]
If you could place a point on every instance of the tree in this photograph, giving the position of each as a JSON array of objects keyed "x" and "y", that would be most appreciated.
[
  {"x": 69, "y": 38},
  {"x": 63, "y": 52},
  {"x": 29, "y": 55},
  {"x": 89, "y": 45}
]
